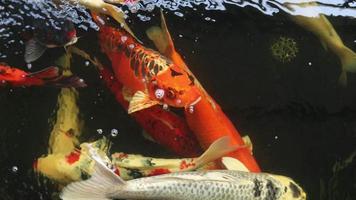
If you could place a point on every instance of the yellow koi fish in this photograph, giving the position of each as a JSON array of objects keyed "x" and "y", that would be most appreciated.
[{"x": 320, "y": 26}]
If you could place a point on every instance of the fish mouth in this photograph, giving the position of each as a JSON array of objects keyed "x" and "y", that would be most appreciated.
[{"x": 191, "y": 106}]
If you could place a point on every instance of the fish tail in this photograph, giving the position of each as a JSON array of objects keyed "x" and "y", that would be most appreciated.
[
  {"x": 98, "y": 187},
  {"x": 119, "y": 16},
  {"x": 66, "y": 81},
  {"x": 348, "y": 61},
  {"x": 216, "y": 150}
]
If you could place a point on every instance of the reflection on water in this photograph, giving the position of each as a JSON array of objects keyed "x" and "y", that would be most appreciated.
[
  {"x": 268, "y": 7},
  {"x": 310, "y": 87}
]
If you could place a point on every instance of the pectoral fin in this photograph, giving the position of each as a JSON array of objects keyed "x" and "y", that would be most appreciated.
[
  {"x": 161, "y": 37},
  {"x": 147, "y": 136},
  {"x": 127, "y": 93},
  {"x": 234, "y": 164},
  {"x": 140, "y": 101},
  {"x": 33, "y": 50}
]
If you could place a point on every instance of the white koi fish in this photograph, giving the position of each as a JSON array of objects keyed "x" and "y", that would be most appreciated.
[{"x": 203, "y": 185}]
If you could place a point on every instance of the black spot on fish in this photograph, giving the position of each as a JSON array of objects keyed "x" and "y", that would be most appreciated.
[
  {"x": 272, "y": 191},
  {"x": 191, "y": 78},
  {"x": 143, "y": 71},
  {"x": 295, "y": 190},
  {"x": 135, "y": 173},
  {"x": 127, "y": 51},
  {"x": 84, "y": 176},
  {"x": 120, "y": 46},
  {"x": 156, "y": 69},
  {"x": 132, "y": 63},
  {"x": 137, "y": 67},
  {"x": 175, "y": 73},
  {"x": 149, "y": 162},
  {"x": 257, "y": 188},
  {"x": 151, "y": 65},
  {"x": 140, "y": 55}
]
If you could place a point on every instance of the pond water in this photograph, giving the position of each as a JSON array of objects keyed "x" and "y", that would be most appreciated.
[{"x": 268, "y": 70}]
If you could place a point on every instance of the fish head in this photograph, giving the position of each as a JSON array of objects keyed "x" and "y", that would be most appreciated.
[
  {"x": 70, "y": 33},
  {"x": 175, "y": 87},
  {"x": 291, "y": 190},
  {"x": 63, "y": 34}
]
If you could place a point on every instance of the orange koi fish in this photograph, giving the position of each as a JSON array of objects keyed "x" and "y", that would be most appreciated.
[
  {"x": 207, "y": 121},
  {"x": 162, "y": 126},
  {"x": 50, "y": 76},
  {"x": 149, "y": 77}
]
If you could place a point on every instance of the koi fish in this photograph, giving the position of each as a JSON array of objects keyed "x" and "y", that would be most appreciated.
[
  {"x": 320, "y": 26},
  {"x": 45, "y": 36},
  {"x": 49, "y": 76},
  {"x": 162, "y": 126},
  {"x": 165, "y": 127},
  {"x": 207, "y": 185},
  {"x": 151, "y": 78},
  {"x": 68, "y": 167},
  {"x": 207, "y": 120}
]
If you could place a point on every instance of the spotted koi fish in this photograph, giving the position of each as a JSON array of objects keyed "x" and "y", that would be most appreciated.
[
  {"x": 207, "y": 120},
  {"x": 149, "y": 77},
  {"x": 78, "y": 164},
  {"x": 104, "y": 183},
  {"x": 49, "y": 76}
]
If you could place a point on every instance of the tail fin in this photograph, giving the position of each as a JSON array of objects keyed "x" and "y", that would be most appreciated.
[
  {"x": 97, "y": 187},
  {"x": 47, "y": 73},
  {"x": 118, "y": 15},
  {"x": 66, "y": 81},
  {"x": 348, "y": 61},
  {"x": 161, "y": 37},
  {"x": 217, "y": 150}
]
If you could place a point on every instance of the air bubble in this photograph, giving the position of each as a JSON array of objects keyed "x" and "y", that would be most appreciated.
[
  {"x": 114, "y": 132},
  {"x": 99, "y": 131},
  {"x": 14, "y": 169},
  {"x": 179, "y": 14}
]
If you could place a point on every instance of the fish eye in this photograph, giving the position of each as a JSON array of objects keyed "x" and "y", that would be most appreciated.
[
  {"x": 171, "y": 94},
  {"x": 159, "y": 93}
]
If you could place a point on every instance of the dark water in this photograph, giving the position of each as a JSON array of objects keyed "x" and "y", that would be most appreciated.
[{"x": 300, "y": 121}]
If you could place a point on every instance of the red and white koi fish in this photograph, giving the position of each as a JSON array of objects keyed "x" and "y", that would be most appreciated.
[
  {"x": 73, "y": 166},
  {"x": 49, "y": 76}
]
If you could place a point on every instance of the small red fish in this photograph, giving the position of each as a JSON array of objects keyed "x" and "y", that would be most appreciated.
[{"x": 49, "y": 76}]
